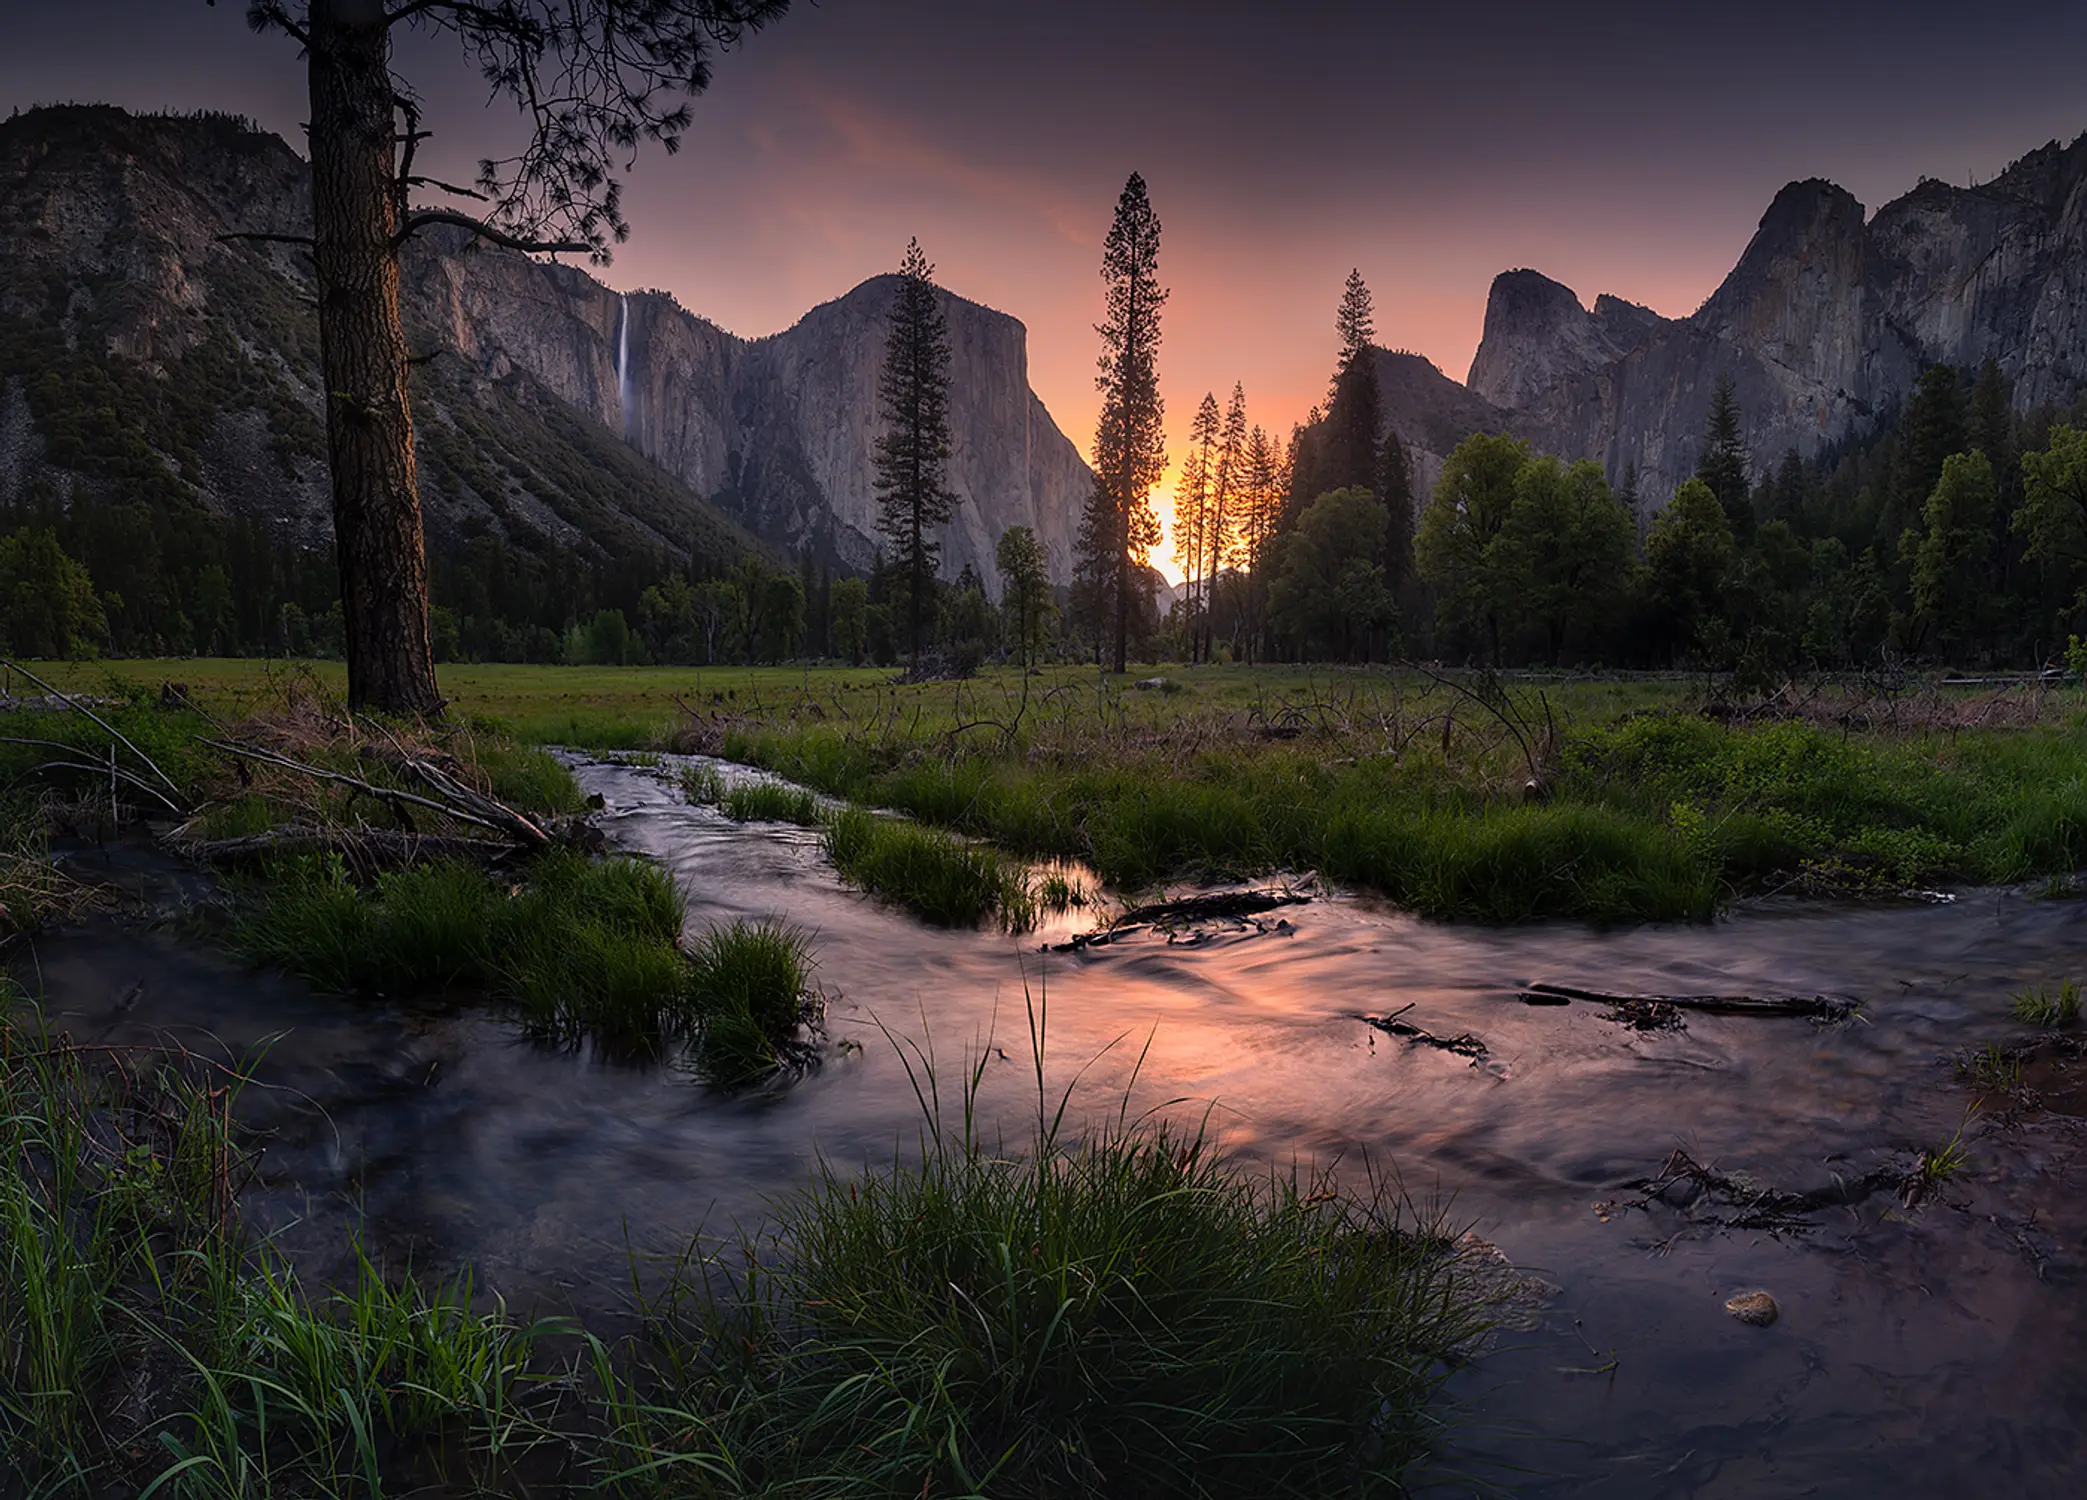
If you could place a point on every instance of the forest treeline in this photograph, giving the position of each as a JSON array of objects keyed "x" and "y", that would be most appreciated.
[{"x": 1955, "y": 533}]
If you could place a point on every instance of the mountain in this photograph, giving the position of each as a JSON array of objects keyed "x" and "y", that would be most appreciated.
[
  {"x": 144, "y": 352},
  {"x": 1824, "y": 324}
]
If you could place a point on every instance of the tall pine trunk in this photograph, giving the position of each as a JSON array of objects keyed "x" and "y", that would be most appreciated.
[{"x": 362, "y": 354}]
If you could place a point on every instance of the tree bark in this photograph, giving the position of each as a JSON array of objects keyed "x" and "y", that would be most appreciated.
[{"x": 362, "y": 350}]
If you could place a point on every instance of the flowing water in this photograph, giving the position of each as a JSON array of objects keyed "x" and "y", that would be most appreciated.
[{"x": 1936, "y": 1350}]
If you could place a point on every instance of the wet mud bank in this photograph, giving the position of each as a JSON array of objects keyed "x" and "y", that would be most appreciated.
[{"x": 1924, "y": 1256}]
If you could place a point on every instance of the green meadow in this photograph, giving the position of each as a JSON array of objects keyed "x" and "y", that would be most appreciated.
[{"x": 1480, "y": 799}]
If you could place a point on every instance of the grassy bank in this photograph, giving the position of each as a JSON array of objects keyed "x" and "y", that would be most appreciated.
[
  {"x": 574, "y": 947},
  {"x": 1645, "y": 807},
  {"x": 1134, "y": 1313}
]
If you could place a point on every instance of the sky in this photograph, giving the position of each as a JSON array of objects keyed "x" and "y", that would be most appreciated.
[{"x": 1623, "y": 146}]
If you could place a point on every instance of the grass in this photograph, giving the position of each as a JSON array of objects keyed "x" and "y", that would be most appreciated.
[
  {"x": 1949, "y": 1160},
  {"x": 1129, "y": 1311},
  {"x": 751, "y": 981},
  {"x": 1990, "y": 1070},
  {"x": 1132, "y": 1312},
  {"x": 771, "y": 802},
  {"x": 146, "y": 1347},
  {"x": 580, "y": 948},
  {"x": 1651, "y": 809},
  {"x": 943, "y": 879},
  {"x": 2052, "y": 1005}
]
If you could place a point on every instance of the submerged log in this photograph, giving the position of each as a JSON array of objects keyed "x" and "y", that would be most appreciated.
[
  {"x": 1825, "y": 1008},
  {"x": 1220, "y": 906}
]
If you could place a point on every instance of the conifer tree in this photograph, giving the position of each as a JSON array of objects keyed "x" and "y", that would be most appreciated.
[
  {"x": 1192, "y": 508},
  {"x": 1951, "y": 590},
  {"x": 1349, "y": 455},
  {"x": 1130, "y": 441},
  {"x": 1355, "y": 322},
  {"x": 1932, "y": 430},
  {"x": 1261, "y": 499},
  {"x": 1723, "y": 465},
  {"x": 1221, "y": 526},
  {"x": 1395, "y": 490},
  {"x": 1025, "y": 591},
  {"x": 913, "y": 496},
  {"x": 593, "y": 79}
]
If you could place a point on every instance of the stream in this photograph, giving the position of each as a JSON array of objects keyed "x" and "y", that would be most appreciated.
[{"x": 1932, "y": 1350}]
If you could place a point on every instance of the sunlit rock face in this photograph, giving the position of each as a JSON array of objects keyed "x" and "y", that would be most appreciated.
[
  {"x": 1823, "y": 326},
  {"x": 116, "y": 232}
]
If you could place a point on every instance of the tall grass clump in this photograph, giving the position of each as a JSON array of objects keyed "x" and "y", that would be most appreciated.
[
  {"x": 580, "y": 947},
  {"x": 1135, "y": 1312},
  {"x": 2049, "y": 1005},
  {"x": 771, "y": 802},
  {"x": 145, "y": 1345},
  {"x": 702, "y": 785},
  {"x": 751, "y": 982},
  {"x": 938, "y": 876}
]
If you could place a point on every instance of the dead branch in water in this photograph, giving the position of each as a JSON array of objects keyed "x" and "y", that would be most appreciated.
[{"x": 1822, "y": 1008}]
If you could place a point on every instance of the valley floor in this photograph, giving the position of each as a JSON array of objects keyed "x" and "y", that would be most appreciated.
[{"x": 1461, "y": 797}]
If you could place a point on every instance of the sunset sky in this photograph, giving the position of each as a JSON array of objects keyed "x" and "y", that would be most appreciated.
[{"x": 1627, "y": 147}]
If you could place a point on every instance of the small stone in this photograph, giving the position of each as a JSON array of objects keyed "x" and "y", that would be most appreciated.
[{"x": 1756, "y": 1309}]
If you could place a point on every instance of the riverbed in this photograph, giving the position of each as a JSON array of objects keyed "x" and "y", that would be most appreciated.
[{"x": 1936, "y": 1347}]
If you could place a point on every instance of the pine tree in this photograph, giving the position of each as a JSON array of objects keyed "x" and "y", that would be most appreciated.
[
  {"x": 1348, "y": 456},
  {"x": 1221, "y": 528},
  {"x": 1130, "y": 441},
  {"x": 1933, "y": 429},
  {"x": 1261, "y": 499},
  {"x": 1192, "y": 508},
  {"x": 1952, "y": 591},
  {"x": 1395, "y": 490},
  {"x": 1355, "y": 321},
  {"x": 1992, "y": 416},
  {"x": 1723, "y": 465},
  {"x": 913, "y": 497}
]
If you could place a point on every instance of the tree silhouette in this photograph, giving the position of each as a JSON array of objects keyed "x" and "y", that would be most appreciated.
[
  {"x": 913, "y": 496},
  {"x": 1130, "y": 440},
  {"x": 594, "y": 79}
]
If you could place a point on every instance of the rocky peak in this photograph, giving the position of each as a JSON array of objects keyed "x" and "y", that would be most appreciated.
[
  {"x": 1537, "y": 334},
  {"x": 128, "y": 213}
]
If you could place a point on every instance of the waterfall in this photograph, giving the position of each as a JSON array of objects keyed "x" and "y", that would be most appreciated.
[{"x": 623, "y": 359}]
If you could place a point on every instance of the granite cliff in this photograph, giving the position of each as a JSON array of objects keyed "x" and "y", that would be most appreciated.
[
  {"x": 1824, "y": 324},
  {"x": 552, "y": 412}
]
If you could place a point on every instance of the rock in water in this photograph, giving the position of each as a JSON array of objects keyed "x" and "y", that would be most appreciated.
[{"x": 1756, "y": 1309}]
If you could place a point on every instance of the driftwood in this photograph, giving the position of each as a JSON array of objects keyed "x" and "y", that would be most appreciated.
[
  {"x": 1657, "y": 1008},
  {"x": 1463, "y": 1045},
  {"x": 112, "y": 731},
  {"x": 1732, "y": 1202},
  {"x": 1222, "y": 906},
  {"x": 453, "y": 800}
]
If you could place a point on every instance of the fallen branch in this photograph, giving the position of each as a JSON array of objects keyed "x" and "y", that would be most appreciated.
[
  {"x": 1222, "y": 906},
  {"x": 1822, "y": 1008},
  {"x": 113, "y": 732},
  {"x": 472, "y": 808},
  {"x": 1463, "y": 1045}
]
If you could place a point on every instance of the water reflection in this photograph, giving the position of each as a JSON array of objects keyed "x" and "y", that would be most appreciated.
[{"x": 1927, "y": 1352}]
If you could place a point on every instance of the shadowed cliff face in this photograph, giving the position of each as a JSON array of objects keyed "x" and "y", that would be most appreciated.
[
  {"x": 115, "y": 236},
  {"x": 780, "y": 432},
  {"x": 1824, "y": 324}
]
